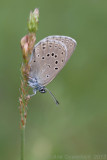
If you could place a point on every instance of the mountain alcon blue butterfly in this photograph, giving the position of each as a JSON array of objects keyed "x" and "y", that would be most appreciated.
[{"x": 49, "y": 56}]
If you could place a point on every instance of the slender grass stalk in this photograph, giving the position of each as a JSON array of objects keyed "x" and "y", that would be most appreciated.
[
  {"x": 22, "y": 142},
  {"x": 27, "y": 44}
]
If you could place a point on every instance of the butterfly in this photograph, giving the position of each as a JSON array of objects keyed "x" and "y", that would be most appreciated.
[{"x": 49, "y": 56}]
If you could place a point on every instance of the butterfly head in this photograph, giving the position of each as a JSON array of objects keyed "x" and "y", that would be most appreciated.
[
  {"x": 42, "y": 90},
  {"x": 32, "y": 82}
]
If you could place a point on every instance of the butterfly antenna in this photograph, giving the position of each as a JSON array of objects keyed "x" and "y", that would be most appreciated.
[{"x": 56, "y": 101}]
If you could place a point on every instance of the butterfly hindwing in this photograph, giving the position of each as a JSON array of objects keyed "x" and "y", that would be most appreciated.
[{"x": 48, "y": 58}]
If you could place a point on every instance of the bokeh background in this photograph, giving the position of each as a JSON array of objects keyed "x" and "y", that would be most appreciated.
[{"x": 77, "y": 128}]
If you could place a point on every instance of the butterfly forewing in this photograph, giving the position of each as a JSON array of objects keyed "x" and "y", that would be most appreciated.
[{"x": 48, "y": 58}]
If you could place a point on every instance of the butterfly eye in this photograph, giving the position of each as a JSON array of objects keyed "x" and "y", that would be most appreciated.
[
  {"x": 56, "y": 68},
  {"x": 42, "y": 90}
]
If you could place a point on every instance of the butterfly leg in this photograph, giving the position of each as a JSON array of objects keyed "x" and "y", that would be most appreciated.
[{"x": 34, "y": 92}]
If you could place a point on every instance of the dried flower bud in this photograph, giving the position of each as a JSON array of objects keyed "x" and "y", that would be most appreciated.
[
  {"x": 26, "y": 49},
  {"x": 23, "y": 123},
  {"x": 24, "y": 40},
  {"x": 20, "y": 100},
  {"x": 28, "y": 97},
  {"x": 24, "y": 46},
  {"x": 25, "y": 115}
]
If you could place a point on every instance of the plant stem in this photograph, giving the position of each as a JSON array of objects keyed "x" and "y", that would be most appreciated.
[
  {"x": 27, "y": 45},
  {"x": 22, "y": 142}
]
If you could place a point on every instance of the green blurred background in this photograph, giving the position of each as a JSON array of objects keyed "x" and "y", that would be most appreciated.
[{"x": 77, "y": 129}]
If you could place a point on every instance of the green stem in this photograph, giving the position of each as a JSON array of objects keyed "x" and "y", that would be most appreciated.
[{"x": 22, "y": 142}]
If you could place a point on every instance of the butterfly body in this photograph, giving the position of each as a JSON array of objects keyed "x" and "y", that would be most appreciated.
[{"x": 36, "y": 86}]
